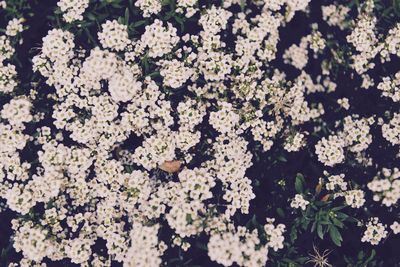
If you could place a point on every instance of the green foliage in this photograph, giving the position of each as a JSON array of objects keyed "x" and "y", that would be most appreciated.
[
  {"x": 363, "y": 259},
  {"x": 320, "y": 217}
]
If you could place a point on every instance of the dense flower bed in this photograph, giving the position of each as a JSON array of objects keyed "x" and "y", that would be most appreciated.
[{"x": 199, "y": 133}]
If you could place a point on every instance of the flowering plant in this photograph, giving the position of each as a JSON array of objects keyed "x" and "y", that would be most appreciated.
[{"x": 199, "y": 133}]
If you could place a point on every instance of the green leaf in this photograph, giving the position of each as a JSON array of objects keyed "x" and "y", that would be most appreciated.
[
  {"x": 116, "y": 5},
  {"x": 121, "y": 20},
  {"x": 242, "y": 5},
  {"x": 169, "y": 15},
  {"x": 179, "y": 19},
  {"x": 91, "y": 17},
  {"x": 282, "y": 159},
  {"x": 305, "y": 224},
  {"x": 90, "y": 37},
  {"x": 342, "y": 215},
  {"x": 172, "y": 4},
  {"x": 337, "y": 223},
  {"x": 189, "y": 219},
  {"x": 126, "y": 16},
  {"x": 139, "y": 23},
  {"x": 201, "y": 246},
  {"x": 320, "y": 231},
  {"x": 338, "y": 208},
  {"x": 314, "y": 225},
  {"x": 280, "y": 212},
  {"x": 154, "y": 74},
  {"x": 254, "y": 220},
  {"x": 335, "y": 235},
  {"x": 325, "y": 222},
  {"x": 293, "y": 234},
  {"x": 165, "y": 2},
  {"x": 371, "y": 257},
  {"x": 299, "y": 183}
]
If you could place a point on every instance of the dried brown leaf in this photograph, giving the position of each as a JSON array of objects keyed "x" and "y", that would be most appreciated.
[{"x": 171, "y": 166}]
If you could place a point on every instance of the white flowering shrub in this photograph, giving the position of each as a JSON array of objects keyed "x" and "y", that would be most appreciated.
[{"x": 199, "y": 133}]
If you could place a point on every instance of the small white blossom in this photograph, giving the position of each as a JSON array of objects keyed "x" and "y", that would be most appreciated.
[
  {"x": 375, "y": 232},
  {"x": 114, "y": 35},
  {"x": 299, "y": 202}
]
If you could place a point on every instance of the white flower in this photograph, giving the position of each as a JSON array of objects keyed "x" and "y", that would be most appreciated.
[
  {"x": 175, "y": 73},
  {"x": 355, "y": 198},
  {"x": 8, "y": 75},
  {"x": 149, "y": 7},
  {"x": 344, "y": 103},
  {"x": 58, "y": 45},
  {"x": 18, "y": 111},
  {"x": 114, "y": 35},
  {"x": 391, "y": 87},
  {"x": 214, "y": 20},
  {"x": 6, "y": 50},
  {"x": 387, "y": 189},
  {"x": 391, "y": 130},
  {"x": 297, "y": 55},
  {"x": 336, "y": 181},
  {"x": 160, "y": 40},
  {"x": 73, "y": 9},
  {"x": 145, "y": 248},
  {"x": 335, "y": 15},
  {"x": 299, "y": 202},
  {"x": 275, "y": 234},
  {"x": 294, "y": 143},
  {"x": 296, "y": 5},
  {"x": 241, "y": 247},
  {"x": 375, "y": 232},
  {"x": 32, "y": 242},
  {"x": 123, "y": 86},
  {"x": 395, "y": 227},
  {"x": 14, "y": 26},
  {"x": 224, "y": 120},
  {"x": 330, "y": 151}
]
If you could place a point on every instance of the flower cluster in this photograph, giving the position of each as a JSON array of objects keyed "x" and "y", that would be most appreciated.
[
  {"x": 158, "y": 39},
  {"x": 391, "y": 87},
  {"x": 114, "y": 35},
  {"x": 73, "y": 10},
  {"x": 375, "y": 232},
  {"x": 242, "y": 247},
  {"x": 14, "y": 27},
  {"x": 386, "y": 190},
  {"x": 149, "y": 7},
  {"x": 145, "y": 132},
  {"x": 330, "y": 151},
  {"x": 355, "y": 198},
  {"x": 335, "y": 15},
  {"x": 299, "y": 202}
]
